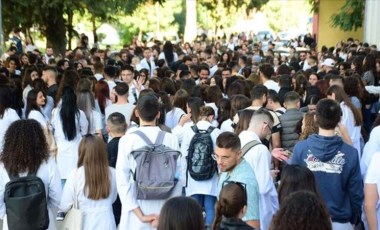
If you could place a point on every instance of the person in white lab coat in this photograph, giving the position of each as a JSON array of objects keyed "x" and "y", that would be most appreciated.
[
  {"x": 35, "y": 100},
  {"x": 7, "y": 114},
  {"x": 147, "y": 62},
  {"x": 139, "y": 214},
  {"x": 25, "y": 140},
  {"x": 205, "y": 191},
  {"x": 69, "y": 124},
  {"x": 351, "y": 117},
  {"x": 94, "y": 185},
  {"x": 259, "y": 158}
]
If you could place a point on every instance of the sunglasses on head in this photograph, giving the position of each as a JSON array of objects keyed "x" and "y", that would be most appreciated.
[{"x": 241, "y": 185}]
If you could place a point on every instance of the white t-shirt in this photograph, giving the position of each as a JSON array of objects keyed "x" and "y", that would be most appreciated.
[
  {"x": 125, "y": 109},
  {"x": 270, "y": 84}
]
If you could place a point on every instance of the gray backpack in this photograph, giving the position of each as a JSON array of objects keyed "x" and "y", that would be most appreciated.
[{"x": 156, "y": 164}]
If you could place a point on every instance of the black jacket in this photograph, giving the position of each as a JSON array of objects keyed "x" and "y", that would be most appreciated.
[{"x": 233, "y": 224}]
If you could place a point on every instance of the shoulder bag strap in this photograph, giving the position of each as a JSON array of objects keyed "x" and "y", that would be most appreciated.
[
  {"x": 76, "y": 203},
  {"x": 143, "y": 136},
  {"x": 248, "y": 146}
]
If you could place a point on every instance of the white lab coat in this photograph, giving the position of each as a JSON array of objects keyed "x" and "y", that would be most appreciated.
[
  {"x": 67, "y": 151},
  {"x": 206, "y": 187},
  {"x": 227, "y": 126},
  {"x": 173, "y": 116},
  {"x": 144, "y": 64},
  {"x": 372, "y": 146},
  {"x": 97, "y": 214},
  {"x": 49, "y": 174},
  {"x": 178, "y": 130},
  {"x": 9, "y": 117},
  {"x": 126, "y": 185},
  {"x": 373, "y": 177},
  {"x": 348, "y": 120},
  {"x": 36, "y": 115},
  {"x": 259, "y": 158}
]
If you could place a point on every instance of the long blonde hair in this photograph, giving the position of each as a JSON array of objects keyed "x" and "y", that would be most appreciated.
[{"x": 93, "y": 157}]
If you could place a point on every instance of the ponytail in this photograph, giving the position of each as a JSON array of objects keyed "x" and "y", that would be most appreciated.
[{"x": 218, "y": 215}]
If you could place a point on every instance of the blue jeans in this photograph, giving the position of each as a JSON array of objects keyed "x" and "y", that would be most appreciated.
[{"x": 208, "y": 202}]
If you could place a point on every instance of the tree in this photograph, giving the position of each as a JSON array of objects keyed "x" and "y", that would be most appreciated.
[
  {"x": 351, "y": 15},
  {"x": 48, "y": 15}
]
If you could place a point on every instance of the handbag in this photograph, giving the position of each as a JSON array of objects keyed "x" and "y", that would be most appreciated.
[
  {"x": 52, "y": 146},
  {"x": 74, "y": 218}
]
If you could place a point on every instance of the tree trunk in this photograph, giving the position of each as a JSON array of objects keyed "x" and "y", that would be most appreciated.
[
  {"x": 70, "y": 26},
  {"x": 55, "y": 30},
  {"x": 191, "y": 21},
  {"x": 94, "y": 30}
]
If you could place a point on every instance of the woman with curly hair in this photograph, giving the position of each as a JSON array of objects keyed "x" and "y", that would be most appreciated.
[
  {"x": 302, "y": 210},
  {"x": 93, "y": 182},
  {"x": 309, "y": 125},
  {"x": 25, "y": 151}
]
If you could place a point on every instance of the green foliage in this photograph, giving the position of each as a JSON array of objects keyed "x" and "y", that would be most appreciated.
[
  {"x": 314, "y": 6},
  {"x": 279, "y": 19},
  {"x": 150, "y": 17},
  {"x": 350, "y": 16}
]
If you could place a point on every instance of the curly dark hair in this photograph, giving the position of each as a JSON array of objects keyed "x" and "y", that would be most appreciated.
[
  {"x": 302, "y": 210},
  {"x": 25, "y": 147}
]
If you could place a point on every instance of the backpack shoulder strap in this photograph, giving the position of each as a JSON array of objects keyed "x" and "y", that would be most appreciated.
[
  {"x": 143, "y": 136},
  {"x": 210, "y": 129},
  {"x": 195, "y": 128},
  {"x": 12, "y": 177},
  {"x": 280, "y": 112},
  {"x": 248, "y": 146},
  {"x": 160, "y": 138}
]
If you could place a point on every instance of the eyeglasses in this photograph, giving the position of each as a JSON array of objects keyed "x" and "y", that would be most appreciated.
[
  {"x": 241, "y": 185},
  {"x": 222, "y": 159},
  {"x": 270, "y": 128}
]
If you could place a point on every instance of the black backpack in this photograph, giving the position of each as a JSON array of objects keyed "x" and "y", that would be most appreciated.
[
  {"x": 200, "y": 164},
  {"x": 25, "y": 203}
]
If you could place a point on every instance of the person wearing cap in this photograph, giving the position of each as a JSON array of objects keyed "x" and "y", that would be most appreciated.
[
  {"x": 328, "y": 64},
  {"x": 121, "y": 91}
]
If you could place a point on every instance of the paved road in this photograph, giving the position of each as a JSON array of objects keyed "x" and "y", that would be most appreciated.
[{"x": 58, "y": 224}]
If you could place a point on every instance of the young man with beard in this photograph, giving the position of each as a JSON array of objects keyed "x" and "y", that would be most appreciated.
[{"x": 234, "y": 168}]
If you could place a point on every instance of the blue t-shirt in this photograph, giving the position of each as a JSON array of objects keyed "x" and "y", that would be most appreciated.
[{"x": 243, "y": 173}]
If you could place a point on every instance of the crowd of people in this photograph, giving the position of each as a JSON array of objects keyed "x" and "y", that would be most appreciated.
[{"x": 255, "y": 138}]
